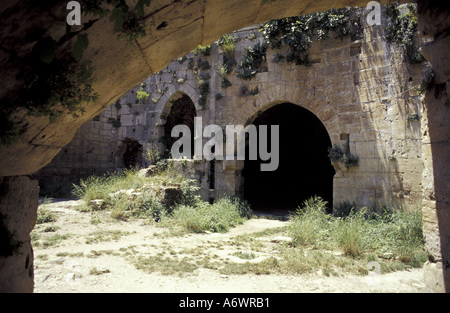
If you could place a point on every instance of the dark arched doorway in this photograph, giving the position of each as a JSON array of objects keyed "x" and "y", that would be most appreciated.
[
  {"x": 304, "y": 167},
  {"x": 182, "y": 112}
]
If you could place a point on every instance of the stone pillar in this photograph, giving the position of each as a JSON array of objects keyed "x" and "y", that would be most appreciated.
[
  {"x": 434, "y": 22},
  {"x": 18, "y": 213}
]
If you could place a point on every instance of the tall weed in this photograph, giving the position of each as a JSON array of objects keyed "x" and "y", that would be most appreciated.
[
  {"x": 380, "y": 232},
  {"x": 217, "y": 217},
  {"x": 309, "y": 222},
  {"x": 348, "y": 234}
]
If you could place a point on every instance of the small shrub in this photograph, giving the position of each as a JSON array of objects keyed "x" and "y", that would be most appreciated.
[
  {"x": 348, "y": 234},
  {"x": 205, "y": 50},
  {"x": 204, "y": 65},
  {"x": 254, "y": 91},
  {"x": 309, "y": 222},
  {"x": 225, "y": 83},
  {"x": 222, "y": 69},
  {"x": 428, "y": 76},
  {"x": 217, "y": 217},
  {"x": 190, "y": 64},
  {"x": 338, "y": 154},
  {"x": 278, "y": 58},
  {"x": 141, "y": 94},
  {"x": 253, "y": 59},
  {"x": 51, "y": 229},
  {"x": 151, "y": 154},
  {"x": 344, "y": 209},
  {"x": 298, "y": 32},
  {"x": 228, "y": 45},
  {"x": 401, "y": 31},
  {"x": 182, "y": 59},
  {"x": 45, "y": 216},
  {"x": 95, "y": 271},
  {"x": 244, "y": 255}
]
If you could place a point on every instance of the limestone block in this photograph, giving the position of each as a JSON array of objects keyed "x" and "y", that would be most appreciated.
[
  {"x": 316, "y": 83},
  {"x": 433, "y": 276},
  {"x": 355, "y": 108},
  {"x": 126, "y": 120},
  {"x": 290, "y": 75},
  {"x": 365, "y": 149}
]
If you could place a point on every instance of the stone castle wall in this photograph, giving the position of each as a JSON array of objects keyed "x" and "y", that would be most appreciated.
[{"x": 361, "y": 89}]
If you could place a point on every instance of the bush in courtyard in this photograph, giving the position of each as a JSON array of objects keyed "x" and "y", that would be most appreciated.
[
  {"x": 379, "y": 231},
  {"x": 217, "y": 217},
  {"x": 309, "y": 222}
]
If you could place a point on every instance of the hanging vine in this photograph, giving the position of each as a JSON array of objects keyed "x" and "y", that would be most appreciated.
[
  {"x": 401, "y": 30},
  {"x": 298, "y": 33}
]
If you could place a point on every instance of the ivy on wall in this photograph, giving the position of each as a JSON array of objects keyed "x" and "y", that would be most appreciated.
[
  {"x": 141, "y": 94},
  {"x": 251, "y": 63},
  {"x": 338, "y": 154},
  {"x": 298, "y": 33},
  {"x": 401, "y": 30}
]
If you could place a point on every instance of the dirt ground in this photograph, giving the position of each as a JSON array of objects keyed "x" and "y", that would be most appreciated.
[{"x": 98, "y": 257}]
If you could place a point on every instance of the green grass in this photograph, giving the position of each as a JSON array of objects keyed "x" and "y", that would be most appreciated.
[
  {"x": 244, "y": 255},
  {"x": 396, "y": 236},
  {"x": 189, "y": 214},
  {"x": 218, "y": 217},
  {"x": 100, "y": 187},
  {"x": 45, "y": 216},
  {"x": 54, "y": 240},
  {"x": 105, "y": 235},
  {"x": 166, "y": 265},
  {"x": 144, "y": 200}
]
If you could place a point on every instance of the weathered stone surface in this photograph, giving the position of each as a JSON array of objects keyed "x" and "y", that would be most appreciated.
[
  {"x": 18, "y": 208},
  {"x": 434, "y": 23},
  {"x": 432, "y": 276}
]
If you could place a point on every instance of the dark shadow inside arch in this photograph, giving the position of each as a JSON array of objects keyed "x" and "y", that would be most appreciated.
[
  {"x": 182, "y": 112},
  {"x": 304, "y": 168}
]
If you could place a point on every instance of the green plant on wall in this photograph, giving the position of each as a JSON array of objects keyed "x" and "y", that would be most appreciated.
[
  {"x": 227, "y": 44},
  {"x": 203, "y": 84},
  {"x": 128, "y": 22},
  {"x": 225, "y": 83},
  {"x": 141, "y": 94},
  {"x": 298, "y": 33},
  {"x": 205, "y": 50},
  {"x": 401, "y": 30},
  {"x": 252, "y": 61},
  {"x": 338, "y": 154}
]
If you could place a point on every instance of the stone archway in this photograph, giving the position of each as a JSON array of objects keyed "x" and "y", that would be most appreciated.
[
  {"x": 304, "y": 167},
  {"x": 182, "y": 112}
]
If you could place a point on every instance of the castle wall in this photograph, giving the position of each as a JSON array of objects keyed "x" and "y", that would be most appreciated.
[{"x": 361, "y": 89}]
